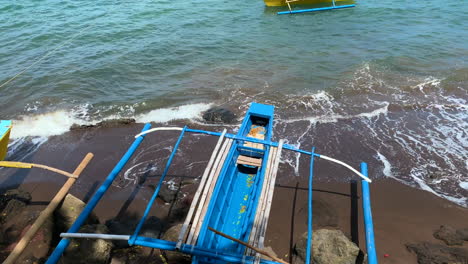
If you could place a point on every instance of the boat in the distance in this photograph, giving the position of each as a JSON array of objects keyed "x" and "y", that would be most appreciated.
[
  {"x": 5, "y": 129},
  {"x": 299, "y": 2}
]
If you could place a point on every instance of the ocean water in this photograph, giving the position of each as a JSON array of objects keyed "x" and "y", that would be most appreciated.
[{"x": 385, "y": 82}]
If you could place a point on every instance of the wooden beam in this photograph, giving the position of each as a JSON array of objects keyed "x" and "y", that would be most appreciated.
[
  {"x": 196, "y": 198},
  {"x": 270, "y": 192},
  {"x": 260, "y": 207},
  {"x": 244, "y": 160},
  {"x": 47, "y": 212},
  {"x": 206, "y": 196}
]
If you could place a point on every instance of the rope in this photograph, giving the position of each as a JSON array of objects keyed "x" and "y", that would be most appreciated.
[{"x": 44, "y": 56}]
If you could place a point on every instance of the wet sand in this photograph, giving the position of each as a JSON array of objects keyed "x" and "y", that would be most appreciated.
[{"x": 402, "y": 214}]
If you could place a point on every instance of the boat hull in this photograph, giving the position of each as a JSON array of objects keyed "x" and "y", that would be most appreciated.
[
  {"x": 300, "y": 2},
  {"x": 234, "y": 202},
  {"x": 5, "y": 128}
]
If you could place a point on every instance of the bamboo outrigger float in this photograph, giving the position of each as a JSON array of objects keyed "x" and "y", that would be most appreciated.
[{"x": 228, "y": 218}]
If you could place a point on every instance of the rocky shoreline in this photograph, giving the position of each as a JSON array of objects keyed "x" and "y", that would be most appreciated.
[{"x": 331, "y": 242}]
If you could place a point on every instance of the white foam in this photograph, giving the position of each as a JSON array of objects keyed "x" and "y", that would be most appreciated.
[
  {"x": 333, "y": 118},
  {"x": 44, "y": 125},
  {"x": 464, "y": 185},
  {"x": 163, "y": 115},
  {"x": 387, "y": 170},
  {"x": 377, "y": 112},
  {"x": 428, "y": 81}
]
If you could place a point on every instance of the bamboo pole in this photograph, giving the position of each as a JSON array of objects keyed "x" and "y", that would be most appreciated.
[
  {"x": 264, "y": 224},
  {"x": 24, "y": 165},
  {"x": 249, "y": 246},
  {"x": 206, "y": 197},
  {"x": 45, "y": 214},
  {"x": 253, "y": 234},
  {"x": 196, "y": 198}
]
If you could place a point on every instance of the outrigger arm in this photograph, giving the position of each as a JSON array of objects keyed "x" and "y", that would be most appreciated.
[{"x": 274, "y": 144}]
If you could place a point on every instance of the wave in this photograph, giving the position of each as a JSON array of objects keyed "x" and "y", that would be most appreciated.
[
  {"x": 61, "y": 121},
  {"x": 191, "y": 111}
]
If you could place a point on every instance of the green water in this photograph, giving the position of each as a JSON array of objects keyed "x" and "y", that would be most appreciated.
[
  {"x": 385, "y": 82},
  {"x": 171, "y": 52}
]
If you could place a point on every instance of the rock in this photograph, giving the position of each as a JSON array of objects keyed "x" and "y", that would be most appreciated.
[
  {"x": 135, "y": 255},
  {"x": 328, "y": 247},
  {"x": 428, "y": 253},
  {"x": 84, "y": 251},
  {"x": 463, "y": 233},
  {"x": 12, "y": 203},
  {"x": 219, "y": 115},
  {"x": 39, "y": 246},
  {"x": 151, "y": 228},
  {"x": 68, "y": 211},
  {"x": 12, "y": 209},
  {"x": 172, "y": 234},
  {"x": 449, "y": 235},
  {"x": 167, "y": 194},
  {"x": 438, "y": 175},
  {"x": 16, "y": 194},
  {"x": 15, "y": 229},
  {"x": 270, "y": 251}
]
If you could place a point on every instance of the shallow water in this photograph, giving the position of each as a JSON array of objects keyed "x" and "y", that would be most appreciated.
[{"x": 380, "y": 82}]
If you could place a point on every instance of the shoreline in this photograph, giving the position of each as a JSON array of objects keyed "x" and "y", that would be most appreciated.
[{"x": 401, "y": 214}]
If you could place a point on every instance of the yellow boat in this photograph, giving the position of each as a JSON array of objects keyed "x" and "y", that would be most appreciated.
[
  {"x": 298, "y": 2},
  {"x": 5, "y": 128}
]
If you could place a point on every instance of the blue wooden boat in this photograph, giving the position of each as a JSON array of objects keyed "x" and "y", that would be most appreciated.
[
  {"x": 233, "y": 205},
  {"x": 230, "y": 209}
]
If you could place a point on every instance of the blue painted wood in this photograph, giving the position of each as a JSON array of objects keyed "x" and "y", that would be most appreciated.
[
  {"x": 235, "y": 198},
  {"x": 314, "y": 9},
  {"x": 156, "y": 191},
  {"x": 195, "y": 251},
  {"x": 63, "y": 244},
  {"x": 4, "y": 127},
  {"x": 368, "y": 222},
  {"x": 254, "y": 140},
  {"x": 309, "y": 216}
]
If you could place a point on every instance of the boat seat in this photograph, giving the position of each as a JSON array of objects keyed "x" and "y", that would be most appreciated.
[
  {"x": 257, "y": 132},
  {"x": 244, "y": 160}
]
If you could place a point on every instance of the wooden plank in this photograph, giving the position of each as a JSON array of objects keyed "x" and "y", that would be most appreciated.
[
  {"x": 259, "y": 214},
  {"x": 196, "y": 198},
  {"x": 261, "y": 210},
  {"x": 206, "y": 196},
  {"x": 249, "y": 161},
  {"x": 264, "y": 225},
  {"x": 195, "y": 229}
]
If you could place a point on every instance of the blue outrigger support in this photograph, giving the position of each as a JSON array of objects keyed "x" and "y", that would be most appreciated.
[
  {"x": 368, "y": 222},
  {"x": 334, "y": 6},
  {"x": 63, "y": 244},
  {"x": 199, "y": 250}
]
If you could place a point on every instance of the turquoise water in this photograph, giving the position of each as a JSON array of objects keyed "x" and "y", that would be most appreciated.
[
  {"x": 390, "y": 75},
  {"x": 169, "y": 52}
]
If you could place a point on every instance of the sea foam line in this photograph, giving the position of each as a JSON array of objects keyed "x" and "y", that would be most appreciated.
[{"x": 60, "y": 121}]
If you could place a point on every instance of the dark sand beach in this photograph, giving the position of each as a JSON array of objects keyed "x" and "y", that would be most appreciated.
[{"x": 402, "y": 214}]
